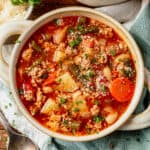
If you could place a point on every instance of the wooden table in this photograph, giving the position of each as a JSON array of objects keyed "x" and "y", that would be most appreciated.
[{"x": 46, "y": 6}]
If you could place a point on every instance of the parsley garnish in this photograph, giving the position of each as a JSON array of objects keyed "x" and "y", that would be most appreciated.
[
  {"x": 98, "y": 119},
  {"x": 96, "y": 102},
  {"x": 63, "y": 100},
  {"x": 86, "y": 56},
  {"x": 112, "y": 52},
  {"x": 75, "y": 42}
]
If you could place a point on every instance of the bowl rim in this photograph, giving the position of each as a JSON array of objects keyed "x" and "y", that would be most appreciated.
[
  {"x": 28, "y": 12},
  {"x": 121, "y": 120}
]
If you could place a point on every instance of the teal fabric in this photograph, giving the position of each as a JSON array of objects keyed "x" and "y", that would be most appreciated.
[{"x": 119, "y": 140}]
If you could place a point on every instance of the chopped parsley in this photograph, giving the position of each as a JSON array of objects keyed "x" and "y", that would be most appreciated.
[
  {"x": 31, "y": 2},
  {"x": 112, "y": 52},
  {"x": 93, "y": 60},
  {"x": 65, "y": 122},
  {"x": 71, "y": 30},
  {"x": 98, "y": 119},
  {"x": 79, "y": 102},
  {"x": 63, "y": 100},
  {"x": 96, "y": 102},
  {"x": 86, "y": 56},
  {"x": 75, "y": 42},
  {"x": 59, "y": 80},
  {"x": 80, "y": 28},
  {"x": 128, "y": 73},
  {"x": 91, "y": 73},
  {"x": 84, "y": 77},
  {"x": 91, "y": 29},
  {"x": 103, "y": 88},
  {"x": 76, "y": 110}
]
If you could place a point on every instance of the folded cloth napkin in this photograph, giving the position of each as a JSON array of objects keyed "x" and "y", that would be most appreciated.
[{"x": 119, "y": 140}]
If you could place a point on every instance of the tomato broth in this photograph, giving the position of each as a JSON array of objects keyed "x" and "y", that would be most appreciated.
[{"x": 76, "y": 76}]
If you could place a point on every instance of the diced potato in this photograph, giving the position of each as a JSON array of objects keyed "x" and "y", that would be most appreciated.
[
  {"x": 121, "y": 57},
  {"x": 58, "y": 56},
  {"x": 107, "y": 73},
  {"x": 49, "y": 106},
  {"x": 79, "y": 102},
  {"x": 67, "y": 83},
  {"x": 59, "y": 35}
]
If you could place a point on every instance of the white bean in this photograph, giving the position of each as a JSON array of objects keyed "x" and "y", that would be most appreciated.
[
  {"x": 111, "y": 118},
  {"x": 107, "y": 73}
]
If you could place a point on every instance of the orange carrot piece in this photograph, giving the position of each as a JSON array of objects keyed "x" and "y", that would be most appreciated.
[{"x": 122, "y": 89}]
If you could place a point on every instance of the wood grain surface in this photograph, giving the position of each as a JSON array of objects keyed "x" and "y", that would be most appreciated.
[{"x": 45, "y": 6}]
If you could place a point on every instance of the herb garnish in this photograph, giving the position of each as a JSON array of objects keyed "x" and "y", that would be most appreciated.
[
  {"x": 75, "y": 42},
  {"x": 112, "y": 52},
  {"x": 63, "y": 100},
  {"x": 96, "y": 102},
  {"x": 98, "y": 119}
]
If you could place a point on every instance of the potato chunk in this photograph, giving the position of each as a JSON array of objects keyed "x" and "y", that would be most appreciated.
[
  {"x": 67, "y": 83},
  {"x": 58, "y": 56},
  {"x": 59, "y": 35},
  {"x": 49, "y": 106},
  {"x": 79, "y": 102}
]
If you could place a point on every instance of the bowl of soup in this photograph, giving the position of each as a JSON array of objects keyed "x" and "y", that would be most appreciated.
[{"x": 76, "y": 74}]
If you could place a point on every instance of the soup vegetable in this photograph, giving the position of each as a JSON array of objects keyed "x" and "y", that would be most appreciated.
[{"x": 76, "y": 76}]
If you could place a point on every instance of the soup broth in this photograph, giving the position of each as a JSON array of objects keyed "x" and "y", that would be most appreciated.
[{"x": 76, "y": 76}]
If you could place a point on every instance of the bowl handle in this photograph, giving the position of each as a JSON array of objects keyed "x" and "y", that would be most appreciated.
[
  {"x": 7, "y": 30},
  {"x": 141, "y": 120}
]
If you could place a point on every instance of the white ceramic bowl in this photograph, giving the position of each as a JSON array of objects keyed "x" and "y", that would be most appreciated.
[{"x": 31, "y": 27}]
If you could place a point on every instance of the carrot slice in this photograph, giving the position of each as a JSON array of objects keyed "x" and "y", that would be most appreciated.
[
  {"x": 50, "y": 79},
  {"x": 122, "y": 89}
]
